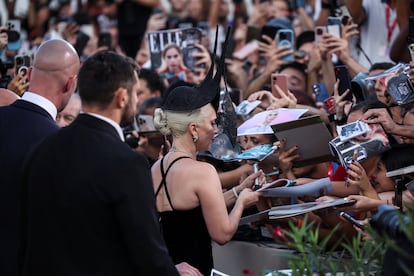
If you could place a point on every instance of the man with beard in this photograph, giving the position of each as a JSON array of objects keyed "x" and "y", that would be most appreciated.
[{"x": 88, "y": 204}]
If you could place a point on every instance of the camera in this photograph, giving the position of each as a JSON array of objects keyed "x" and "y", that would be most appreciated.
[
  {"x": 400, "y": 87},
  {"x": 361, "y": 87},
  {"x": 388, "y": 221}
]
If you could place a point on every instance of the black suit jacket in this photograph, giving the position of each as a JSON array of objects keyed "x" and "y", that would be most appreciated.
[
  {"x": 22, "y": 126},
  {"x": 90, "y": 207}
]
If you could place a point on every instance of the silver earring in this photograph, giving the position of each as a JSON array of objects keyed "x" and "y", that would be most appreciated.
[{"x": 195, "y": 138}]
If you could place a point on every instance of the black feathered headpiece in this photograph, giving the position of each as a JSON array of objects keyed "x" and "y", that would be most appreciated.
[{"x": 185, "y": 98}]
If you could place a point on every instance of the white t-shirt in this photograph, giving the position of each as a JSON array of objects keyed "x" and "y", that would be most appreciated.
[{"x": 374, "y": 32}]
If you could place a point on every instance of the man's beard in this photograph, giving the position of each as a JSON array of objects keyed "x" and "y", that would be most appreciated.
[{"x": 128, "y": 116}]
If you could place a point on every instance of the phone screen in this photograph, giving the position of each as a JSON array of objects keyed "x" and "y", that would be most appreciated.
[{"x": 341, "y": 73}]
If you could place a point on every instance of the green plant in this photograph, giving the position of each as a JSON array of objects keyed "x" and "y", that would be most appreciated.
[{"x": 321, "y": 256}]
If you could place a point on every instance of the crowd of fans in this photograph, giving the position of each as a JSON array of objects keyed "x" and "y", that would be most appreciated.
[{"x": 372, "y": 37}]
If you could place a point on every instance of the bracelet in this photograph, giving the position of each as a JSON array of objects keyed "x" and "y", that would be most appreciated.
[{"x": 236, "y": 195}]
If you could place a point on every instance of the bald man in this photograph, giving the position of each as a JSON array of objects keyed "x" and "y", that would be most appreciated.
[
  {"x": 7, "y": 97},
  {"x": 25, "y": 123}
]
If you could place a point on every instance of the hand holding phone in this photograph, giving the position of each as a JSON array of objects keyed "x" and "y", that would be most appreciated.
[
  {"x": 285, "y": 37},
  {"x": 22, "y": 64},
  {"x": 341, "y": 73},
  {"x": 282, "y": 81},
  {"x": 351, "y": 220}
]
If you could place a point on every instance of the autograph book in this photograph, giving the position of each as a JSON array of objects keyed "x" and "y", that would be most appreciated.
[
  {"x": 311, "y": 135},
  {"x": 286, "y": 211}
]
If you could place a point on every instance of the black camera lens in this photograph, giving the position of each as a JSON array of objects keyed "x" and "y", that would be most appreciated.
[{"x": 388, "y": 221}]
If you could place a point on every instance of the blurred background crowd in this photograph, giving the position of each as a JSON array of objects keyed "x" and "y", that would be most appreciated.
[{"x": 316, "y": 55}]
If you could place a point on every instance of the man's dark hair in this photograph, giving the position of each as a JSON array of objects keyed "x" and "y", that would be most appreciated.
[
  {"x": 381, "y": 66},
  {"x": 102, "y": 74},
  {"x": 154, "y": 80},
  {"x": 297, "y": 66},
  {"x": 305, "y": 37}
]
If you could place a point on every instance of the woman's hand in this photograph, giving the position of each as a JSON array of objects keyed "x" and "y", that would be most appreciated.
[
  {"x": 286, "y": 100},
  {"x": 266, "y": 97},
  {"x": 357, "y": 176},
  {"x": 19, "y": 83},
  {"x": 340, "y": 102},
  {"x": 286, "y": 158},
  {"x": 249, "y": 181},
  {"x": 187, "y": 270},
  {"x": 202, "y": 56}
]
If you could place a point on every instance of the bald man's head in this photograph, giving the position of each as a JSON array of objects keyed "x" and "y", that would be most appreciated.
[
  {"x": 7, "y": 97},
  {"x": 55, "y": 55},
  {"x": 53, "y": 74}
]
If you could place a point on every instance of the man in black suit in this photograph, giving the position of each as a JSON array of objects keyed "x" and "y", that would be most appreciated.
[
  {"x": 88, "y": 197},
  {"x": 23, "y": 125}
]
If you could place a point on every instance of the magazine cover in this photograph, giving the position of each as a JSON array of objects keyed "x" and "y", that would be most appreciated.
[
  {"x": 371, "y": 142},
  {"x": 185, "y": 39},
  {"x": 313, "y": 188},
  {"x": 261, "y": 122},
  {"x": 223, "y": 150},
  {"x": 286, "y": 211}
]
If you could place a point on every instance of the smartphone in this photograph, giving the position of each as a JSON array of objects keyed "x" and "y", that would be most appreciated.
[
  {"x": 105, "y": 40},
  {"x": 411, "y": 30},
  {"x": 270, "y": 31},
  {"x": 285, "y": 37},
  {"x": 189, "y": 59},
  {"x": 22, "y": 64},
  {"x": 334, "y": 26},
  {"x": 320, "y": 92},
  {"x": 282, "y": 81},
  {"x": 319, "y": 31},
  {"x": 145, "y": 124},
  {"x": 351, "y": 220},
  {"x": 341, "y": 73},
  {"x": 13, "y": 31}
]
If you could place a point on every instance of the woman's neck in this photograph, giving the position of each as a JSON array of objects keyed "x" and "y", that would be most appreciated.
[{"x": 184, "y": 149}]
